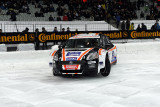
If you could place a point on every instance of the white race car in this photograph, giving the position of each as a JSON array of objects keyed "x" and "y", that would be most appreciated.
[{"x": 91, "y": 53}]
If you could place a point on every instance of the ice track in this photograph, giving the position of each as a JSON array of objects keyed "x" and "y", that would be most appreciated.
[{"x": 26, "y": 81}]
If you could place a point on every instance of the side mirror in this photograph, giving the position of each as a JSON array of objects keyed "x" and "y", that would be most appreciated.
[{"x": 108, "y": 45}]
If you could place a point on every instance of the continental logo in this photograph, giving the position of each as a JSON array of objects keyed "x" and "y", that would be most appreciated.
[
  {"x": 117, "y": 35},
  {"x": 31, "y": 37},
  {"x": 44, "y": 37},
  {"x": 17, "y": 38},
  {"x": 144, "y": 34}
]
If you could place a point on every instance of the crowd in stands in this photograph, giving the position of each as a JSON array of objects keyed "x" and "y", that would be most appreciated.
[
  {"x": 96, "y": 10},
  {"x": 14, "y": 7}
]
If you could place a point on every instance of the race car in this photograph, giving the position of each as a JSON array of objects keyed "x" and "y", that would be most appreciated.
[{"x": 91, "y": 53}]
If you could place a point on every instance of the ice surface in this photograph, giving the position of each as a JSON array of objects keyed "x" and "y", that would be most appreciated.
[{"x": 26, "y": 80}]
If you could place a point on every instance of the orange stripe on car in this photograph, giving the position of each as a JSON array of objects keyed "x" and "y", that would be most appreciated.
[
  {"x": 97, "y": 34},
  {"x": 112, "y": 49},
  {"x": 75, "y": 36},
  {"x": 100, "y": 51},
  {"x": 54, "y": 53},
  {"x": 84, "y": 53},
  {"x": 63, "y": 54}
]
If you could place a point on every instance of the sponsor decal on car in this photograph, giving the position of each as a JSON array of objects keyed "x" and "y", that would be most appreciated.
[
  {"x": 71, "y": 59},
  {"x": 114, "y": 58},
  {"x": 72, "y": 67},
  {"x": 73, "y": 54}
]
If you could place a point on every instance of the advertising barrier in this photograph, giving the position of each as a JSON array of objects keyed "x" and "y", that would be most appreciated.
[{"x": 11, "y": 38}]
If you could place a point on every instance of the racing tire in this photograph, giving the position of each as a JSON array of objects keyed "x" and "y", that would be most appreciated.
[
  {"x": 106, "y": 71},
  {"x": 55, "y": 73}
]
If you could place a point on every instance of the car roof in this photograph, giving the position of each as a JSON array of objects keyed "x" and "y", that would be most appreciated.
[{"x": 86, "y": 35}]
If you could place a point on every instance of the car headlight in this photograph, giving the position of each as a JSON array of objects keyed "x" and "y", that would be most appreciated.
[
  {"x": 92, "y": 56},
  {"x": 55, "y": 57}
]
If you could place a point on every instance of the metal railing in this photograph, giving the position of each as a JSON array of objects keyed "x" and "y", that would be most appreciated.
[
  {"x": 0, "y": 26},
  {"x": 18, "y": 27},
  {"x": 50, "y": 27}
]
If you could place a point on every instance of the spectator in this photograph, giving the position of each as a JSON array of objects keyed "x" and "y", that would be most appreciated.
[
  {"x": 142, "y": 14},
  {"x": 43, "y": 30},
  {"x": 63, "y": 29},
  {"x": 13, "y": 16},
  {"x": 0, "y": 30},
  {"x": 123, "y": 26},
  {"x": 153, "y": 28},
  {"x": 144, "y": 27},
  {"x": 44, "y": 43},
  {"x": 37, "y": 30},
  {"x": 118, "y": 19},
  {"x": 26, "y": 30},
  {"x": 51, "y": 18},
  {"x": 36, "y": 14},
  {"x": 65, "y": 18},
  {"x": 131, "y": 27},
  {"x": 36, "y": 39},
  {"x": 76, "y": 30},
  {"x": 68, "y": 30},
  {"x": 58, "y": 18},
  {"x": 108, "y": 16},
  {"x": 52, "y": 8},
  {"x": 157, "y": 26},
  {"x": 138, "y": 28},
  {"x": 41, "y": 14},
  {"x": 55, "y": 29},
  {"x": 127, "y": 24}
]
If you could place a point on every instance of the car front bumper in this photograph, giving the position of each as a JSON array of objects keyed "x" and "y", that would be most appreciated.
[{"x": 86, "y": 67}]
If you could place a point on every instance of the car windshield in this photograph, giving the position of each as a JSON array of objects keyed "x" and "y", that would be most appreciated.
[{"x": 82, "y": 43}]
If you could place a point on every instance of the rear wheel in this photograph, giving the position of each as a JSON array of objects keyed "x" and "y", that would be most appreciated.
[{"x": 106, "y": 71}]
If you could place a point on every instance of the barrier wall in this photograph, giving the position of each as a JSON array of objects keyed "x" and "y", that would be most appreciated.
[
  {"x": 40, "y": 40},
  {"x": 25, "y": 47},
  {"x": 3, "y": 48},
  {"x": 63, "y": 36}
]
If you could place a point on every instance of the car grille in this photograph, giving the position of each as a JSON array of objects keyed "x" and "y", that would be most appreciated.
[
  {"x": 71, "y": 62},
  {"x": 71, "y": 71}
]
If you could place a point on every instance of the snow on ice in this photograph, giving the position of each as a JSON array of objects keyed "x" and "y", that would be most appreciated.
[{"x": 26, "y": 80}]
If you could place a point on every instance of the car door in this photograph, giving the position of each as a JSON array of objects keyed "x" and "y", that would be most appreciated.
[
  {"x": 112, "y": 51},
  {"x": 102, "y": 53}
]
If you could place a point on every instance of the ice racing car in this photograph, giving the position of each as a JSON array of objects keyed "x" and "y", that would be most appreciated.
[{"x": 90, "y": 53}]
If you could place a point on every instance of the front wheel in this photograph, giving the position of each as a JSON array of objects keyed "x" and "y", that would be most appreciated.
[
  {"x": 106, "y": 70},
  {"x": 55, "y": 73}
]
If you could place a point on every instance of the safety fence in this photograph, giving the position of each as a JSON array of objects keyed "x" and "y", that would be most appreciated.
[{"x": 49, "y": 26}]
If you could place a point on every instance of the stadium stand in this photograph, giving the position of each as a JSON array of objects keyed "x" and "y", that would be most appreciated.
[
  {"x": 95, "y": 10},
  {"x": 76, "y": 10}
]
